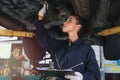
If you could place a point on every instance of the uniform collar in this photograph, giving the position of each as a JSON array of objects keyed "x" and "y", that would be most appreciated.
[{"x": 78, "y": 41}]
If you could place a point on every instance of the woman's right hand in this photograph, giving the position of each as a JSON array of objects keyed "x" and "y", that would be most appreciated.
[{"x": 42, "y": 11}]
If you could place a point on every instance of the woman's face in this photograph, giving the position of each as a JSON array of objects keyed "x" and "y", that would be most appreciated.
[{"x": 70, "y": 24}]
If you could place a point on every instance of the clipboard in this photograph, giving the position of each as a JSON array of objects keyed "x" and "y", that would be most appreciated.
[{"x": 55, "y": 72}]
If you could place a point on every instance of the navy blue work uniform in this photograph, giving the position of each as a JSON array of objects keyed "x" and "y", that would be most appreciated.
[{"x": 78, "y": 56}]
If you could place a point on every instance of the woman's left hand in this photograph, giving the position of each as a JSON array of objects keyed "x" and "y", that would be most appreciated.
[{"x": 77, "y": 76}]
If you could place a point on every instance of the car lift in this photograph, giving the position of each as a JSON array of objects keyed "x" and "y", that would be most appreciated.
[
  {"x": 10, "y": 33},
  {"x": 109, "y": 31}
]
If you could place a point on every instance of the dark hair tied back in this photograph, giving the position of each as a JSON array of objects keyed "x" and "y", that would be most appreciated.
[{"x": 85, "y": 29}]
